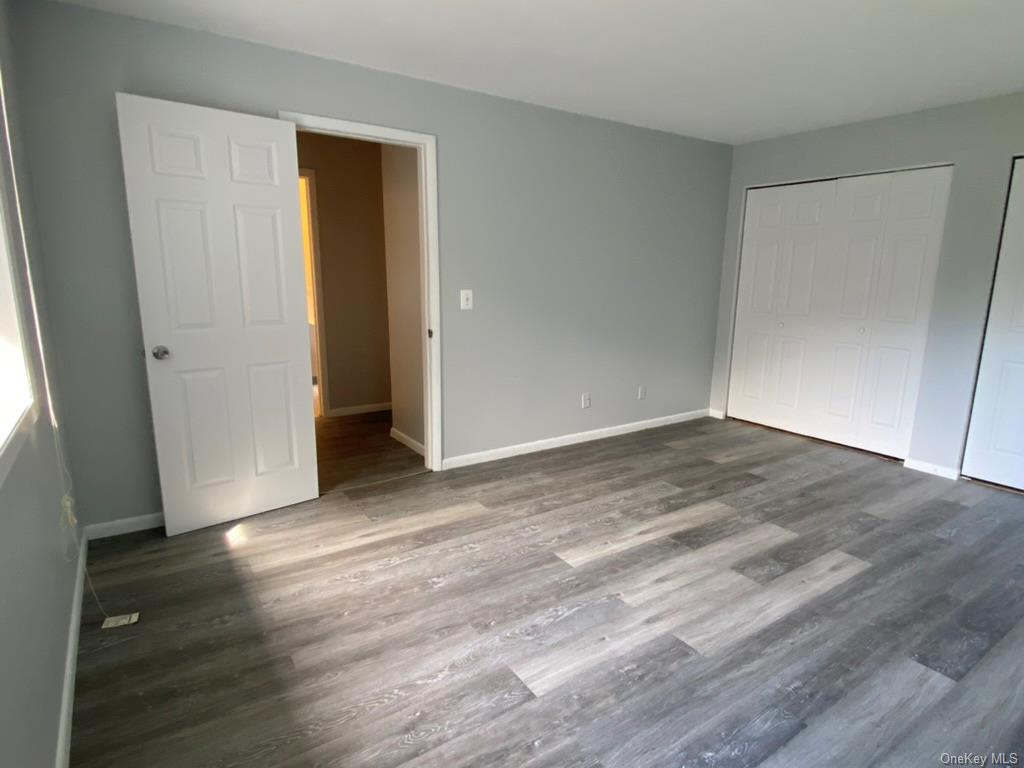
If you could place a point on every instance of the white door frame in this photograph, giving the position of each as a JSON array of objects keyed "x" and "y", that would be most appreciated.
[{"x": 430, "y": 269}]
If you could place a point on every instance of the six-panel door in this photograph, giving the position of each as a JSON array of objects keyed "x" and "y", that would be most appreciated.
[
  {"x": 836, "y": 285},
  {"x": 215, "y": 233},
  {"x": 776, "y": 338}
]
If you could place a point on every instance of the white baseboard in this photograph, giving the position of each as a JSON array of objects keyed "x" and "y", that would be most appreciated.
[
  {"x": 932, "y": 469},
  {"x": 67, "y": 699},
  {"x": 408, "y": 442},
  {"x": 124, "y": 525},
  {"x": 578, "y": 437},
  {"x": 714, "y": 413},
  {"x": 352, "y": 410}
]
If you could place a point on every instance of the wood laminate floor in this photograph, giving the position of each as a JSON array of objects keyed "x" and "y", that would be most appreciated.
[
  {"x": 358, "y": 450},
  {"x": 706, "y": 594}
]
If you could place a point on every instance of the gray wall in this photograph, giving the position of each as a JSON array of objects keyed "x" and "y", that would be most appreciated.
[
  {"x": 353, "y": 281},
  {"x": 980, "y": 138},
  {"x": 401, "y": 197},
  {"x": 38, "y": 556},
  {"x": 594, "y": 248}
]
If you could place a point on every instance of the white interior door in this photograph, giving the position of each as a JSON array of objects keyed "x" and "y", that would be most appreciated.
[
  {"x": 215, "y": 230},
  {"x": 832, "y": 346},
  {"x": 995, "y": 442}
]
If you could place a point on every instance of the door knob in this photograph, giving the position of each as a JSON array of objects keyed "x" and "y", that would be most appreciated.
[
  {"x": 161, "y": 352},
  {"x": 860, "y": 330}
]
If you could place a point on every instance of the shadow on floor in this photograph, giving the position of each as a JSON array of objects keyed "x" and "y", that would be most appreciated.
[{"x": 199, "y": 678}]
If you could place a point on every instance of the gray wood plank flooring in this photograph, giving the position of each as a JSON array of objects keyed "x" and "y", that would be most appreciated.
[{"x": 705, "y": 594}]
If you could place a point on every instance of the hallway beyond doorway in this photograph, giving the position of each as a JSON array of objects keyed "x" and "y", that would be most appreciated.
[{"x": 358, "y": 450}]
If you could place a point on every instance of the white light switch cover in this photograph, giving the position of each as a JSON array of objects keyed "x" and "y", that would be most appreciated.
[{"x": 466, "y": 298}]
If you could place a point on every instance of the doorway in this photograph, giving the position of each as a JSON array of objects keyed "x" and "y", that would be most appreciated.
[
  {"x": 362, "y": 218},
  {"x": 314, "y": 302}
]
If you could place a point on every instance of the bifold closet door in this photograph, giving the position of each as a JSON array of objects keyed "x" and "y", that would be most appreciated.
[
  {"x": 775, "y": 349},
  {"x": 995, "y": 442},
  {"x": 836, "y": 285}
]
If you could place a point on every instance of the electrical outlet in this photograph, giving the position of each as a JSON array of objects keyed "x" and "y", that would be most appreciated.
[
  {"x": 585, "y": 400},
  {"x": 112, "y": 622},
  {"x": 641, "y": 392}
]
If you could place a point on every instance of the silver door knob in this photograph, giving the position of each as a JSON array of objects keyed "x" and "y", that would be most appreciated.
[{"x": 161, "y": 352}]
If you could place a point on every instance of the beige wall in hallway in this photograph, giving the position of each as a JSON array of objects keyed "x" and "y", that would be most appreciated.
[
  {"x": 352, "y": 266},
  {"x": 400, "y": 173}
]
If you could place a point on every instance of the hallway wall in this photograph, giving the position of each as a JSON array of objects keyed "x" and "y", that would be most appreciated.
[
  {"x": 350, "y": 217},
  {"x": 400, "y": 174}
]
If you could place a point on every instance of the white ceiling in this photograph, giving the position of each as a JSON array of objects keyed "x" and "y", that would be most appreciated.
[{"x": 729, "y": 70}]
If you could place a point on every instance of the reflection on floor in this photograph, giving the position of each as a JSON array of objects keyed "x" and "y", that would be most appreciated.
[
  {"x": 358, "y": 450},
  {"x": 704, "y": 594}
]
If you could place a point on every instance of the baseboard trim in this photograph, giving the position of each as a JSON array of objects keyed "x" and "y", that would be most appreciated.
[
  {"x": 352, "y": 410},
  {"x": 408, "y": 442},
  {"x": 578, "y": 437},
  {"x": 714, "y": 413},
  {"x": 124, "y": 525},
  {"x": 932, "y": 469},
  {"x": 67, "y": 699}
]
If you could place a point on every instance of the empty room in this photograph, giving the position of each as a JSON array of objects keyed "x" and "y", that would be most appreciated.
[{"x": 540, "y": 385}]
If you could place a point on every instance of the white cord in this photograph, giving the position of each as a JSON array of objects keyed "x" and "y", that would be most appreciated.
[{"x": 95, "y": 597}]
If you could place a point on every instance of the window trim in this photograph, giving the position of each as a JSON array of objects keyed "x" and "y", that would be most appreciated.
[
  {"x": 11, "y": 448},
  {"x": 13, "y": 242}
]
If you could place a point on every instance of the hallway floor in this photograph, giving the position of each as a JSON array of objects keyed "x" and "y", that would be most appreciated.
[{"x": 359, "y": 450}]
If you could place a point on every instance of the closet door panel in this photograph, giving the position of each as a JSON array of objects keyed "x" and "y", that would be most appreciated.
[
  {"x": 836, "y": 284},
  {"x": 775, "y": 377},
  {"x": 995, "y": 442},
  {"x": 901, "y": 307}
]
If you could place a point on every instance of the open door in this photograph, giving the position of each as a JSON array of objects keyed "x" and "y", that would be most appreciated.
[
  {"x": 995, "y": 442},
  {"x": 218, "y": 261}
]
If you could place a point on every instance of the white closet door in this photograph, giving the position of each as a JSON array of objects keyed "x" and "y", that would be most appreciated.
[
  {"x": 857, "y": 235},
  {"x": 776, "y": 354},
  {"x": 214, "y": 212},
  {"x": 907, "y": 240},
  {"x": 995, "y": 443},
  {"x": 842, "y": 363}
]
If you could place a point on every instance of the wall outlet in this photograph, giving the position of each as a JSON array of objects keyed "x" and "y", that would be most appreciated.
[
  {"x": 112, "y": 622},
  {"x": 641, "y": 392},
  {"x": 466, "y": 298},
  {"x": 585, "y": 400}
]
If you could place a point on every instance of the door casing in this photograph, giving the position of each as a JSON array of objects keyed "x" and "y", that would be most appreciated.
[{"x": 430, "y": 272}]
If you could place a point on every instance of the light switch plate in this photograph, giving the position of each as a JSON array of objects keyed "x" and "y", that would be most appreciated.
[{"x": 466, "y": 298}]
